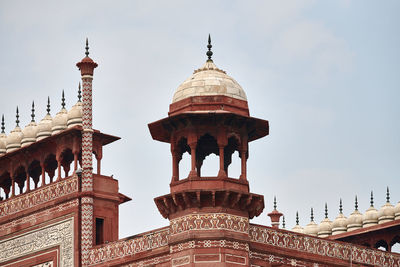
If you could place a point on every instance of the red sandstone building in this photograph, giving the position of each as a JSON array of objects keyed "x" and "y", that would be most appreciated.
[{"x": 57, "y": 209}]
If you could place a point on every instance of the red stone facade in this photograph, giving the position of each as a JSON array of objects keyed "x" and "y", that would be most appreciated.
[{"x": 71, "y": 219}]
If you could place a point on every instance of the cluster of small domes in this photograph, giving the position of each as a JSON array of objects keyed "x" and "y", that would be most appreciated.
[
  {"x": 355, "y": 221},
  {"x": 46, "y": 127}
]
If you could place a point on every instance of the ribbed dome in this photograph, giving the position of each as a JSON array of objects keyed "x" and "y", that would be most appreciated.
[
  {"x": 298, "y": 229},
  {"x": 386, "y": 213},
  {"x": 44, "y": 127},
  {"x": 29, "y": 134},
  {"x": 311, "y": 229},
  {"x": 60, "y": 121},
  {"x": 209, "y": 81},
  {"x": 339, "y": 225},
  {"x": 13, "y": 141},
  {"x": 370, "y": 216},
  {"x": 3, "y": 138},
  {"x": 355, "y": 221},
  {"x": 397, "y": 211},
  {"x": 75, "y": 115},
  {"x": 325, "y": 228}
]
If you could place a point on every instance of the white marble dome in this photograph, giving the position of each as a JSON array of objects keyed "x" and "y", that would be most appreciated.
[
  {"x": 13, "y": 141},
  {"x": 209, "y": 81},
  {"x": 44, "y": 127},
  {"x": 3, "y": 138},
  {"x": 311, "y": 229},
  {"x": 397, "y": 211},
  {"x": 75, "y": 115},
  {"x": 355, "y": 221},
  {"x": 325, "y": 228},
  {"x": 339, "y": 225},
  {"x": 386, "y": 213},
  {"x": 298, "y": 229},
  {"x": 59, "y": 121},
  {"x": 29, "y": 134},
  {"x": 370, "y": 217}
]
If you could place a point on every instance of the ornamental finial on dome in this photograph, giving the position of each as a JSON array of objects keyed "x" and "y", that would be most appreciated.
[
  {"x": 340, "y": 207},
  {"x": 87, "y": 47},
  {"x": 326, "y": 210},
  {"x": 2, "y": 124},
  {"x": 356, "y": 204},
  {"x": 312, "y": 214},
  {"x": 209, "y": 52},
  {"x": 274, "y": 202},
  {"x": 48, "y": 106},
  {"x": 33, "y": 112},
  {"x": 297, "y": 218},
  {"x": 63, "y": 100},
  {"x": 79, "y": 92},
  {"x": 283, "y": 222},
  {"x": 17, "y": 116},
  {"x": 372, "y": 199},
  {"x": 387, "y": 195}
]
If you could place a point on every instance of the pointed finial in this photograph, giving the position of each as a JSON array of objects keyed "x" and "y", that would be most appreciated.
[
  {"x": 48, "y": 105},
  {"x": 326, "y": 210},
  {"x": 79, "y": 92},
  {"x": 297, "y": 218},
  {"x": 17, "y": 116},
  {"x": 372, "y": 199},
  {"x": 312, "y": 214},
  {"x": 356, "y": 204},
  {"x": 209, "y": 52},
  {"x": 283, "y": 222},
  {"x": 274, "y": 202},
  {"x": 33, "y": 112},
  {"x": 63, "y": 100},
  {"x": 387, "y": 195},
  {"x": 2, "y": 124},
  {"x": 340, "y": 207},
  {"x": 87, "y": 47}
]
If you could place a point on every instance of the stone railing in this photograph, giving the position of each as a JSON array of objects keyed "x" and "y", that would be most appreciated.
[
  {"x": 39, "y": 196},
  {"x": 127, "y": 247},
  {"x": 322, "y": 247}
]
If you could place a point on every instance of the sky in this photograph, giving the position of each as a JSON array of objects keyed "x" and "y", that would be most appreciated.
[{"x": 325, "y": 74}]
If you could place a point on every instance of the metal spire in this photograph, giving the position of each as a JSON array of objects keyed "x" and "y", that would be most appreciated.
[
  {"x": 340, "y": 207},
  {"x": 274, "y": 202},
  {"x": 283, "y": 223},
  {"x": 48, "y": 105},
  {"x": 297, "y": 218},
  {"x": 356, "y": 204},
  {"x": 372, "y": 199},
  {"x": 312, "y": 214},
  {"x": 2, "y": 124},
  {"x": 87, "y": 47},
  {"x": 79, "y": 92},
  {"x": 33, "y": 112},
  {"x": 17, "y": 120},
  {"x": 387, "y": 195},
  {"x": 209, "y": 52},
  {"x": 326, "y": 210},
  {"x": 63, "y": 100}
]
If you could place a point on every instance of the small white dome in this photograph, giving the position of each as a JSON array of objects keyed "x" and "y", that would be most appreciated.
[
  {"x": 339, "y": 225},
  {"x": 75, "y": 115},
  {"x": 298, "y": 229},
  {"x": 370, "y": 217},
  {"x": 311, "y": 229},
  {"x": 397, "y": 211},
  {"x": 60, "y": 121},
  {"x": 3, "y": 138},
  {"x": 386, "y": 213},
  {"x": 13, "y": 141},
  {"x": 209, "y": 81},
  {"x": 44, "y": 127},
  {"x": 325, "y": 228},
  {"x": 355, "y": 221},
  {"x": 29, "y": 134}
]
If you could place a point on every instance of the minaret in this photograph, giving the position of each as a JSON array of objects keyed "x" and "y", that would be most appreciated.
[
  {"x": 209, "y": 115},
  {"x": 87, "y": 66}
]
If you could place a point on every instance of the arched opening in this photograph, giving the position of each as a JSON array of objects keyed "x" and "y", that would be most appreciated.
[
  {"x": 67, "y": 157},
  {"x": 5, "y": 184},
  {"x": 230, "y": 149},
  {"x": 20, "y": 178},
  {"x": 395, "y": 244},
  {"x": 381, "y": 245},
  {"x": 34, "y": 171},
  {"x": 183, "y": 158},
  {"x": 206, "y": 146},
  {"x": 50, "y": 167}
]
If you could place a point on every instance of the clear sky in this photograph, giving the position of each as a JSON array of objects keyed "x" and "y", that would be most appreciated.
[{"x": 326, "y": 74}]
